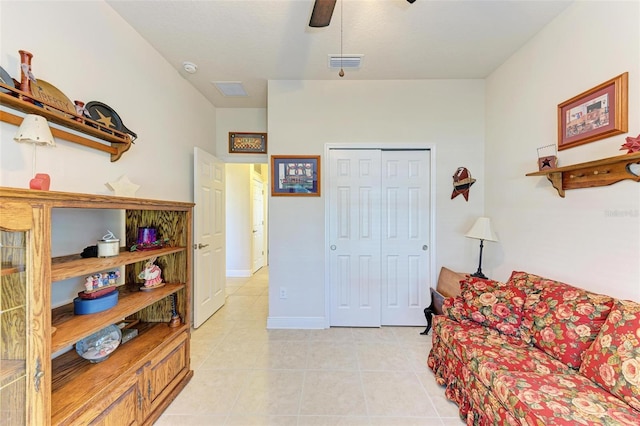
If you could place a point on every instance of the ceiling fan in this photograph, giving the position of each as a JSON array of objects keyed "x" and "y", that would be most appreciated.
[{"x": 322, "y": 11}]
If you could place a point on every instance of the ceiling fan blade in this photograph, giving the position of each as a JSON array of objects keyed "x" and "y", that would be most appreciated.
[{"x": 322, "y": 11}]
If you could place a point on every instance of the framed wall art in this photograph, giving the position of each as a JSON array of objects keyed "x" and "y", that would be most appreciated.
[
  {"x": 295, "y": 175},
  {"x": 596, "y": 114},
  {"x": 247, "y": 143}
]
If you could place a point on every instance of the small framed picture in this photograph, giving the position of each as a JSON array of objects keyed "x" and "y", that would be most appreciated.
[
  {"x": 596, "y": 114},
  {"x": 295, "y": 175},
  {"x": 247, "y": 143}
]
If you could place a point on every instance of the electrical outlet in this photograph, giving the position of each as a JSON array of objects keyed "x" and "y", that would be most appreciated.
[{"x": 283, "y": 292}]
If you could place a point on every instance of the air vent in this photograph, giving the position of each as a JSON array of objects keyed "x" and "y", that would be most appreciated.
[
  {"x": 346, "y": 61},
  {"x": 230, "y": 88}
]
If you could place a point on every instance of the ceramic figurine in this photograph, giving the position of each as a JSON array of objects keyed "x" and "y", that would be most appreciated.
[{"x": 151, "y": 275}]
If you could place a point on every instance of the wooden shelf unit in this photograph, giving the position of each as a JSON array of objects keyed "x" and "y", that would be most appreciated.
[
  {"x": 116, "y": 142},
  {"x": 602, "y": 172},
  {"x": 142, "y": 376}
]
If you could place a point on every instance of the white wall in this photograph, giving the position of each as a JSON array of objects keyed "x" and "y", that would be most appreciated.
[
  {"x": 306, "y": 115},
  {"x": 86, "y": 50},
  {"x": 239, "y": 214},
  {"x": 590, "y": 238}
]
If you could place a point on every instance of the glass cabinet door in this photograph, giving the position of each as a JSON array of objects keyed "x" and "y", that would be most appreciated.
[{"x": 21, "y": 369}]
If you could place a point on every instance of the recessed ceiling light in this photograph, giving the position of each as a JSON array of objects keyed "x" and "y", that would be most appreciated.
[
  {"x": 190, "y": 67},
  {"x": 230, "y": 88}
]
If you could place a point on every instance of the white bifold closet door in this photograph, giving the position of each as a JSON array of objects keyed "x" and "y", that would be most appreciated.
[{"x": 379, "y": 219}]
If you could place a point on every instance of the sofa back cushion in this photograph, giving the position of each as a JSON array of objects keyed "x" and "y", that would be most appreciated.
[
  {"x": 613, "y": 360},
  {"x": 564, "y": 320},
  {"x": 493, "y": 304}
]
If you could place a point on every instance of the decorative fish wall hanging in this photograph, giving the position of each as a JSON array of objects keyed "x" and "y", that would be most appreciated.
[{"x": 462, "y": 181}]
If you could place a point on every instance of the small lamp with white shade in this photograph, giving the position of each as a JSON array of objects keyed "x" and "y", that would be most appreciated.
[
  {"x": 481, "y": 230},
  {"x": 35, "y": 130}
]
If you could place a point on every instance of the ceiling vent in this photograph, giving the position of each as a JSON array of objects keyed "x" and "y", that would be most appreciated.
[
  {"x": 230, "y": 88},
  {"x": 346, "y": 61}
]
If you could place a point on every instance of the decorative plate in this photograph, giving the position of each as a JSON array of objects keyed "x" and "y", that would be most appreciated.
[
  {"x": 104, "y": 114},
  {"x": 6, "y": 79},
  {"x": 49, "y": 94},
  {"x": 97, "y": 347}
]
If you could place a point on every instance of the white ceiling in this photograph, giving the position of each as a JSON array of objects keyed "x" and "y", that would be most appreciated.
[{"x": 254, "y": 41}]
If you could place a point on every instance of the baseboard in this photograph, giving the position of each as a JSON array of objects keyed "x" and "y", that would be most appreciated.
[
  {"x": 239, "y": 273},
  {"x": 296, "y": 323}
]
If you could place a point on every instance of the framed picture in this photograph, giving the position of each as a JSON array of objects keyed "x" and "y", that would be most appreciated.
[
  {"x": 295, "y": 175},
  {"x": 247, "y": 143},
  {"x": 596, "y": 114}
]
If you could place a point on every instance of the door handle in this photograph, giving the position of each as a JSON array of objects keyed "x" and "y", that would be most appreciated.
[
  {"x": 425, "y": 247},
  {"x": 333, "y": 247},
  {"x": 200, "y": 246}
]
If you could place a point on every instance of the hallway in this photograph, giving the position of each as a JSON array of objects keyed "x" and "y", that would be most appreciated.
[{"x": 247, "y": 375}]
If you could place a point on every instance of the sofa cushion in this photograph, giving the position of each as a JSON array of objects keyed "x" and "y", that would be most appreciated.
[
  {"x": 560, "y": 399},
  {"x": 493, "y": 304},
  {"x": 565, "y": 320},
  {"x": 613, "y": 360}
]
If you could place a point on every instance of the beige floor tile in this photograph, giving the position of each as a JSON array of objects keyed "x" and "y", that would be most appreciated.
[
  {"x": 238, "y": 420},
  {"x": 283, "y": 355},
  {"x": 382, "y": 357},
  {"x": 332, "y": 356},
  {"x": 209, "y": 392},
  {"x": 180, "y": 420},
  {"x": 406, "y": 421},
  {"x": 396, "y": 393},
  {"x": 333, "y": 421},
  {"x": 246, "y": 375},
  {"x": 336, "y": 393},
  {"x": 270, "y": 393}
]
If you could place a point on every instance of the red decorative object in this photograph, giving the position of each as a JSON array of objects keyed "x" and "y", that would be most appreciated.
[
  {"x": 42, "y": 181},
  {"x": 632, "y": 145}
]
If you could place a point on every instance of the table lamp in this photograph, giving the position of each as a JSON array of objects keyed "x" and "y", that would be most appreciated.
[
  {"x": 481, "y": 230},
  {"x": 35, "y": 130}
]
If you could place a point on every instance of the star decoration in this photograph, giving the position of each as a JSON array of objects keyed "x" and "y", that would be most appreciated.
[
  {"x": 632, "y": 144},
  {"x": 106, "y": 120},
  {"x": 123, "y": 187}
]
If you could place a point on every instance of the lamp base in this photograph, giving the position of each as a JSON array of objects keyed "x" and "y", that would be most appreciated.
[
  {"x": 41, "y": 181},
  {"x": 479, "y": 274}
]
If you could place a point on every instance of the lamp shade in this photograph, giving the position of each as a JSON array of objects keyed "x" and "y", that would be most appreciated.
[
  {"x": 35, "y": 129},
  {"x": 481, "y": 230}
]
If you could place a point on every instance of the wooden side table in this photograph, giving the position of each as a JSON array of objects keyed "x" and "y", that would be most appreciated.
[{"x": 448, "y": 286}]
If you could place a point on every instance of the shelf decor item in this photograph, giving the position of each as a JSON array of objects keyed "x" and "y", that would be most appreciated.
[
  {"x": 295, "y": 175},
  {"x": 152, "y": 275},
  {"x": 97, "y": 347},
  {"x": 631, "y": 145},
  {"x": 83, "y": 306},
  {"x": 596, "y": 114},
  {"x": 547, "y": 157},
  {"x": 462, "y": 182},
  {"x": 109, "y": 245},
  {"x": 247, "y": 143}
]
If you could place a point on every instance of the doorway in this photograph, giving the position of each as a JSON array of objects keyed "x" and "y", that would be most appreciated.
[{"x": 380, "y": 221}]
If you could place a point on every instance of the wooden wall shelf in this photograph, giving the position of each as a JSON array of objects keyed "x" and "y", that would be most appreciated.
[
  {"x": 117, "y": 142},
  {"x": 602, "y": 172}
]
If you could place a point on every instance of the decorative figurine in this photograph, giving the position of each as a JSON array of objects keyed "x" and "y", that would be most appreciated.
[
  {"x": 631, "y": 145},
  {"x": 175, "y": 318},
  {"x": 151, "y": 275}
]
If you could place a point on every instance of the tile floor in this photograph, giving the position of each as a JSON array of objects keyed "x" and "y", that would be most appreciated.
[{"x": 247, "y": 375}]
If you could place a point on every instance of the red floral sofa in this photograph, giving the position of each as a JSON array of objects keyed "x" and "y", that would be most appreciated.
[{"x": 534, "y": 351}]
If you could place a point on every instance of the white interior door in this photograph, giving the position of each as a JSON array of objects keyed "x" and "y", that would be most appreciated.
[
  {"x": 354, "y": 237},
  {"x": 209, "y": 236},
  {"x": 379, "y": 218},
  {"x": 258, "y": 225},
  {"x": 405, "y": 237}
]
